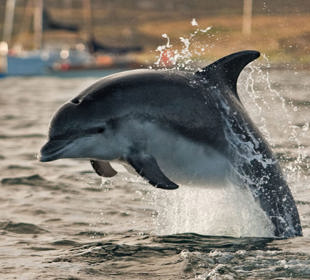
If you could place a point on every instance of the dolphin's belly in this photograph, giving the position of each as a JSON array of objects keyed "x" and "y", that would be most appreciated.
[{"x": 186, "y": 162}]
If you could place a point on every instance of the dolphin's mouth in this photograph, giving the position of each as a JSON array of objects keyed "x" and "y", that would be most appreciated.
[{"x": 53, "y": 150}]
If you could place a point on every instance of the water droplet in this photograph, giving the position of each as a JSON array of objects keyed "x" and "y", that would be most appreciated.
[{"x": 194, "y": 22}]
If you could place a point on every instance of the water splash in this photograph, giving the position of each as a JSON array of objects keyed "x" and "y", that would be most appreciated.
[
  {"x": 259, "y": 95},
  {"x": 230, "y": 210},
  {"x": 181, "y": 59},
  {"x": 218, "y": 210}
]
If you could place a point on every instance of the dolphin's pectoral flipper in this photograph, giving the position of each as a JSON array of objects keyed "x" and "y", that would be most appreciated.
[
  {"x": 103, "y": 168},
  {"x": 148, "y": 168}
]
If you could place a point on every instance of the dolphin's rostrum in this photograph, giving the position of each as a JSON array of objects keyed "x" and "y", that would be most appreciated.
[{"x": 175, "y": 127}]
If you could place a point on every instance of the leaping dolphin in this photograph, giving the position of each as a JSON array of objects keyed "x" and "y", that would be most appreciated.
[{"x": 175, "y": 127}]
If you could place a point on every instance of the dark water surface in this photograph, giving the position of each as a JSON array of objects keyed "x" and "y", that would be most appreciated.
[{"x": 60, "y": 221}]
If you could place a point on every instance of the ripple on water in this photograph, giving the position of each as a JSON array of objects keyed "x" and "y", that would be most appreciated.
[
  {"x": 190, "y": 255},
  {"x": 21, "y": 228},
  {"x": 34, "y": 181}
]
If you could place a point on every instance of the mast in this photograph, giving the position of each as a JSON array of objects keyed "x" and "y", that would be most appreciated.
[
  {"x": 87, "y": 13},
  {"x": 7, "y": 33},
  {"x": 247, "y": 17},
  {"x": 8, "y": 20},
  {"x": 37, "y": 23}
]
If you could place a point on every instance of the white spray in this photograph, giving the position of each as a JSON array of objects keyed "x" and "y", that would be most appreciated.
[{"x": 219, "y": 210}]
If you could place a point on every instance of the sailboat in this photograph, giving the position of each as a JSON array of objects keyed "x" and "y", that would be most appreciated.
[
  {"x": 104, "y": 56},
  {"x": 52, "y": 58},
  {"x": 19, "y": 62}
]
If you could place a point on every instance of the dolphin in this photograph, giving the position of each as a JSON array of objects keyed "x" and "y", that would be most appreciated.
[{"x": 175, "y": 127}]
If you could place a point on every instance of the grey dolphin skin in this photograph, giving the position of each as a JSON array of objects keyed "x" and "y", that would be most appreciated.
[{"x": 176, "y": 127}]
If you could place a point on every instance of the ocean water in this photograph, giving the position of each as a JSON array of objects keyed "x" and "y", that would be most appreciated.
[{"x": 59, "y": 220}]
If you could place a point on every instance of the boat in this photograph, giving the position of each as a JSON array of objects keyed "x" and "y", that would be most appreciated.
[{"x": 50, "y": 58}]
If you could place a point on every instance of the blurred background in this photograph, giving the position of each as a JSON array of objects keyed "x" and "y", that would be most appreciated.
[{"x": 49, "y": 36}]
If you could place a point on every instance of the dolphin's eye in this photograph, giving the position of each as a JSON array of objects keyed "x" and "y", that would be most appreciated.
[{"x": 100, "y": 130}]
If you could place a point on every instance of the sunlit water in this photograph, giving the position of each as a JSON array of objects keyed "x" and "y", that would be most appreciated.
[{"x": 58, "y": 220}]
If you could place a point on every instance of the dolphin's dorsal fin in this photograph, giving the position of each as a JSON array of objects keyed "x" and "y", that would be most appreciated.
[{"x": 227, "y": 69}]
